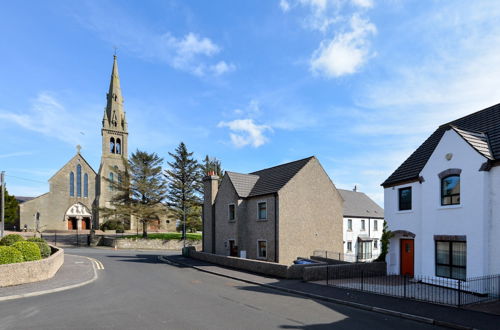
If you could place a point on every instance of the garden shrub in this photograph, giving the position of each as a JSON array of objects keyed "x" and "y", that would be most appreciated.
[
  {"x": 29, "y": 250},
  {"x": 42, "y": 244},
  {"x": 10, "y": 255},
  {"x": 113, "y": 225},
  {"x": 11, "y": 239}
]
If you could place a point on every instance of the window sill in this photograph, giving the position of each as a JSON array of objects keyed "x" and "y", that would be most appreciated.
[
  {"x": 230, "y": 221},
  {"x": 446, "y": 207},
  {"x": 405, "y": 211},
  {"x": 262, "y": 219},
  {"x": 261, "y": 258}
]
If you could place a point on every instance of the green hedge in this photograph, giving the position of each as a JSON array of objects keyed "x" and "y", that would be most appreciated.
[
  {"x": 42, "y": 244},
  {"x": 113, "y": 225},
  {"x": 11, "y": 239},
  {"x": 29, "y": 250},
  {"x": 10, "y": 255}
]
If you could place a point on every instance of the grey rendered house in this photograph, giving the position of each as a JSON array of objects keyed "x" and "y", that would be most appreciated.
[{"x": 276, "y": 214}]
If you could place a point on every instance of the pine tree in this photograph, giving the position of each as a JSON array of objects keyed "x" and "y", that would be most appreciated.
[
  {"x": 212, "y": 164},
  {"x": 140, "y": 190},
  {"x": 184, "y": 186}
]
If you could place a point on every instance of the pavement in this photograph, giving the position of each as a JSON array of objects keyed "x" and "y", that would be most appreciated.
[
  {"x": 76, "y": 271},
  {"x": 445, "y": 316}
]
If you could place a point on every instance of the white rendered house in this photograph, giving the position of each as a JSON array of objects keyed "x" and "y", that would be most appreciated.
[
  {"x": 443, "y": 202},
  {"x": 362, "y": 226}
]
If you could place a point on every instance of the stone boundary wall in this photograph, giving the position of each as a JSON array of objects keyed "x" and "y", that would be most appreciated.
[
  {"x": 329, "y": 261},
  {"x": 345, "y": 271},
  {"x": 32, "y": 271},
  {"x": 255, "y": 266},
  {"x": 150, "y": 244}
]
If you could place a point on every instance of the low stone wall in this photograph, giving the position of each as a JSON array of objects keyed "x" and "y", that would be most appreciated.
[
  {"x": 329, "y": 261},
  {"x": 149, "y": 244},
  {"x": 255, "y": 266},
  {"x": 32, "y": 271},
  {"x": 345, "y": 271}
]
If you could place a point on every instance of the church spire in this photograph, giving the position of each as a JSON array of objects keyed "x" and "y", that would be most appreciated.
[{"x": 114, "y": 116}]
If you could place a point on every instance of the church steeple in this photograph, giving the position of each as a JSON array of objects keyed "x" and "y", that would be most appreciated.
[{"x": 114, "y": 115}]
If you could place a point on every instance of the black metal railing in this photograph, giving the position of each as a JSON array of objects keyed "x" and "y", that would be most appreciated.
[{"x": 431, "y": 289}]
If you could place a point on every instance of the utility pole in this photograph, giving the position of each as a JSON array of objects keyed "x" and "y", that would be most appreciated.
[{"x": 2, "y": 218}]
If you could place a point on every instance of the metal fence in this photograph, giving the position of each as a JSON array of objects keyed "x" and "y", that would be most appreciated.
[
  {"x": 436, "y": 290},
  {"x": 77, "y": 238}
]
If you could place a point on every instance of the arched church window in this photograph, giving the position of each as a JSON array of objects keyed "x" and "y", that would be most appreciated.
[
  {"x": 112, "y": 145},
  {"x": 118, "y": 146},
  {"x": 86, "y": 185},
  {"x": 79, "y": 180},
  {"x": 111, "y": 179},
  {"x": 72, "y": 184}
]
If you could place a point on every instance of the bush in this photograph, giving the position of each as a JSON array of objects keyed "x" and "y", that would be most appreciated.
[
  {"x": 44, "y": 247},
  {"x": 113, "y": 225},
  {"x": 11, "y": 239},
  {"x": 29, "y": 250},
  {"x": 10, "y": 255}
]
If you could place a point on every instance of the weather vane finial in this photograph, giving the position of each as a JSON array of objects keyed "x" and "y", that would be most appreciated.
[{"x": 78, "y": 148}]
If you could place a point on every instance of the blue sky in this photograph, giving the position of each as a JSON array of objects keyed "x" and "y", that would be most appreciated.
[{"x": 358, "y": 83}]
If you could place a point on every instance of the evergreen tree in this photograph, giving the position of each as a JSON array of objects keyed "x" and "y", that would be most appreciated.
[
  {"x": 212, "y": 165},
  {"x": 184, "y": 186},
  {"x": 11, "y": 210},
  {"x": 139, "y": 190},
  {"x": 384, "y": 240}
]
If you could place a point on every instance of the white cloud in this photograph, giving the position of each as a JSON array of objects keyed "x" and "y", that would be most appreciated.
[
  {"x": 222, "y": 67},
  {"x": 346, "y": 52},
  {"x": 49, "y": 117},
  {"x": 246, "y": 132},
  {"x": 363, "y": 3},
  {"x": 15, "y": 154},
  {"x": 284, "y": 5},
  {"x": 191, "y": 53}
]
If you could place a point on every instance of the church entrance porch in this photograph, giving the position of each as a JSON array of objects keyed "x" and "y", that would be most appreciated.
[{"x": 78, "y": 216}]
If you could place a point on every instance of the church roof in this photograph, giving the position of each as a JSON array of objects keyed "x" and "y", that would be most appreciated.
[
  {"x": 480, "y": 129},
  {"x": 78, "y": 154}
]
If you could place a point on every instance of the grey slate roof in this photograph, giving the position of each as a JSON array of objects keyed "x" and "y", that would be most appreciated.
[
  {"x": 358, "y": 204},
  {"x": 22, "y": 199},
  {"x": 266, "y": 181},
  {"x": 478, "y": 129}
]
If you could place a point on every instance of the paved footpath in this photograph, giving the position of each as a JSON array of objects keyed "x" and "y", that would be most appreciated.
[
  {"x": 75, "y": 272},
  {"x": 423, "y": 312}
]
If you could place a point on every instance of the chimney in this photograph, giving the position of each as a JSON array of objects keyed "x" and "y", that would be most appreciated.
[
  {"x": 355, "y": 188},
  {"x": 210, "y": 189}
]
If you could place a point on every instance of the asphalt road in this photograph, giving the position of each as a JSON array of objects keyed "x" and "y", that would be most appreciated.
[{"x": 137, "y": 291}]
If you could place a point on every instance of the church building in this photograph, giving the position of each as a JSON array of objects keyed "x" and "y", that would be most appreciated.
[{"x": 76, "y": 190}]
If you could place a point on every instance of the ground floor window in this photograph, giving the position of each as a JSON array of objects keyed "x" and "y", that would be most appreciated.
[
  {"x": 365, "y": 250},
  {"x": 451, "y": 259},
  {"x": 262, "y": 249}
]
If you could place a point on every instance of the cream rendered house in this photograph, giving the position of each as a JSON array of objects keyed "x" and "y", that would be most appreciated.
[{"x": 276, "y": 214}]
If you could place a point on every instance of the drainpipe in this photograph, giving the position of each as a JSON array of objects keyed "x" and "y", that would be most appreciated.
[{"x": 276, "y": 253}]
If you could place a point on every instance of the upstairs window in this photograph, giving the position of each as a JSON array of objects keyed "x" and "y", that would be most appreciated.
[
  {"x": 232, "y": 212},
  {"x": 363, "y": 225},
  {"x": 375, "y": 225},
  {"x": 262, "y": 210},
  {"x": 450, "y": 190},
  {"x": 72, "y": 184},
  {"x": 349, "y": 224},
  {"x": 79, "y": 180},
  {"x": 86, "y": 185},
  {"x": 404, "y": 198}
]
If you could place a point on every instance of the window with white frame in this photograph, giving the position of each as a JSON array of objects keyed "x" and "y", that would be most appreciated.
[
  {"x": 349, "y": 246},
  {"x": 231, "y": 212},
  {"x": 349, "y": 224},
  {"x": 262, "y": 210},
  {"x": 375, "y": 225},
  {"x": 363, "y": 225},
  {"x": 375, "y": 244},
  {"x": 262, "y": 249}
]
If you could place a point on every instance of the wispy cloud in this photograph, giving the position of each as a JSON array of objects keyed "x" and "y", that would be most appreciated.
[
  {"x": 246, "y": 132},
  {"x": 192, "y": 52},
  {"x": 15, "y": 154},
  {"x": 346, "y": 31},
  {"x": 49, "y": 117}
]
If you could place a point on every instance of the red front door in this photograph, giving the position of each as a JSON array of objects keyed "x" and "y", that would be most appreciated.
[{"x": 407, "y": 257}]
